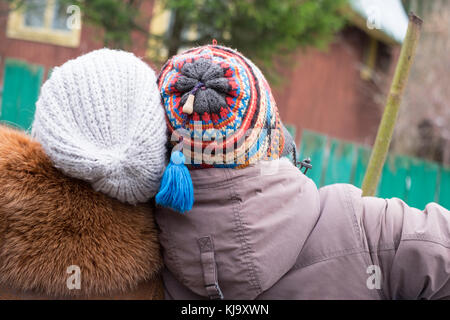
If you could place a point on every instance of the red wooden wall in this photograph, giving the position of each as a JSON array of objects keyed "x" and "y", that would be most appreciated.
[{"x": 324, "y": 91}]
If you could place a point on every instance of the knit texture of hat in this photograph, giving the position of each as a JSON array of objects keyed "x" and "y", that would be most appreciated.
[
  {"x": 99, "y": 118},
  {"x": 233, "y": 107}
]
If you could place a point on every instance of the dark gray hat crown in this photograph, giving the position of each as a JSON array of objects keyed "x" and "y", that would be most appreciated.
[{"x": 204, "y": 79}]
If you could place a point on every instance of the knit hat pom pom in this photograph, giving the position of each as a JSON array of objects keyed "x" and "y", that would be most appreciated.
[{"x": 176, "y": 191}]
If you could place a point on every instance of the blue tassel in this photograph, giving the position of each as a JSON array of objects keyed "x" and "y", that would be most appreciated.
[{"x": 176, "y": 191}]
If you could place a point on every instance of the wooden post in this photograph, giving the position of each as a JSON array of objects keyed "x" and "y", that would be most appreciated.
[{"x": 386, "y": 129}]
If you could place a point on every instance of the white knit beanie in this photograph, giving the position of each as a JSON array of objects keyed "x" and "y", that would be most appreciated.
[{"x": 99, "y": 118}]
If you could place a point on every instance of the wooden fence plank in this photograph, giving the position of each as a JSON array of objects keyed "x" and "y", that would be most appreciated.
[
  {"x": 340, "y": 162},
  {"x": 423, "y": 176},
  {"x": 444, "y": 190},
  {"x": 394, "y": 178},
  {"x": 22, "y": 82},
  {"x": 11, "y": 89},
  {"x": 362, "y": 160},
  {"x": 313, "y": 145}
]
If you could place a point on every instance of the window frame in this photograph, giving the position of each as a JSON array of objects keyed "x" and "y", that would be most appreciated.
[
  {"x": 16, "y": 29},
  {"x": 160, "y": 26},
  {"x": 370, "y": 60}
]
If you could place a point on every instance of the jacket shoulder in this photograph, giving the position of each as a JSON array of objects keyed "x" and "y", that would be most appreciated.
[{"x": 337, "y": 231}]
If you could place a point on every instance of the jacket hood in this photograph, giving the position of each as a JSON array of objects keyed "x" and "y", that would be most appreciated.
[
  {"x": 50, "y": 224},
  {"x": 246, "y": 229}
]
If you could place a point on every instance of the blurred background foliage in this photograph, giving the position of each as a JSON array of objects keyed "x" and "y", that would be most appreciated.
[{"x": 258, "y": 28}]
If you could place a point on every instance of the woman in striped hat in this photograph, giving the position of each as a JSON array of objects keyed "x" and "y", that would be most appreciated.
[
  {"x": 220, "y": 112},
  {"x": 261, "y": 229}
]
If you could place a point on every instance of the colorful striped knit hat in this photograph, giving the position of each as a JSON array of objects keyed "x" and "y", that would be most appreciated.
[{"x": 220, "y": 109}]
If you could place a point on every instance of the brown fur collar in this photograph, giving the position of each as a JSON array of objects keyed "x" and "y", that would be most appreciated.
[{"x": 49, "y": 222}]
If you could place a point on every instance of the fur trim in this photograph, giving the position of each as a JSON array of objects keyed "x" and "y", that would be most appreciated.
[{"x": 49, "y": 222}]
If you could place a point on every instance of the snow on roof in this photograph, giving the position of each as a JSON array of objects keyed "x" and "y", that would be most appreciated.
[{"x": 387, "y": 15}]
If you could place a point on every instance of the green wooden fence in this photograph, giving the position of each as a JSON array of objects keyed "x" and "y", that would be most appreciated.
[
  {"x": 416, "y": 181},
  {"x": 22, "y": 82}
]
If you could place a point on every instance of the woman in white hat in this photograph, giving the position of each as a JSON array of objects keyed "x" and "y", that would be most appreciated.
[{"x": 74, "y": 214}]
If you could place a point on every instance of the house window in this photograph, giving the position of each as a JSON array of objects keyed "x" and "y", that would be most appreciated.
[
  {"x": 370, "y": 60},
  {"x": 35, "y": 14},
  {"x": 161, "y": 28},
  {"x": 44, "y": 21},
  {"x": 377, "y": 59},
  {"x": 60, "y": 16}
]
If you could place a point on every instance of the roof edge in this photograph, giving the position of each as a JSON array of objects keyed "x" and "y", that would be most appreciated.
[{"x": 360, "y": 21}]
